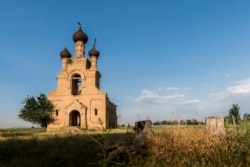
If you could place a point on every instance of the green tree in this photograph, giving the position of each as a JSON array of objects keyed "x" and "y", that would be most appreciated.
[
  {"x": 246, "y": 117},
  {"x": 182, "y": 122},
  {"x": 234, "y": 113},
  {"x": 156, "y": 123},
  {"x": 37, "y": 110},
  {"x": 188, "y": 122}
]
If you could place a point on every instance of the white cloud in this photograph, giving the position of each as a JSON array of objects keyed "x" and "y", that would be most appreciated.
[
  {"x": 243, "y": 87},
  {"x": 240, "y": 88},
  {"x": 174, "y": 96},
  {"x": 220, "y": 102},
  {"x": 172, "y": 88},
  {"x": 152, "y": 97},
  {"x": 191, "y": 101},
  {"x": 166, "y": 104}
]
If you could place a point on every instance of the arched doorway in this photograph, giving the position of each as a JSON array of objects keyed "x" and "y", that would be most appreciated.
[{"x": 74, "y": 118}]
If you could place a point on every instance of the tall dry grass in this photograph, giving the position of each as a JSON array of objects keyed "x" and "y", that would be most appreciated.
[
  {"x": 193, "y": 147},
  {"x": 179, "y": 146}
]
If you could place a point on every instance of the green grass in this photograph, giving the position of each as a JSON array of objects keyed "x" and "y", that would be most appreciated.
[
  {"x": 178, "y": 146},
  {"x": 33, "y": 147},
  {"x": 20, "y": 132}
]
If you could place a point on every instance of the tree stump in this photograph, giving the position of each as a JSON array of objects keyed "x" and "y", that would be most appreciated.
[
  {"x": 143, "y": 126},
  {"x": 137, "y": 145},
  {"x": 215, "y": 126}
]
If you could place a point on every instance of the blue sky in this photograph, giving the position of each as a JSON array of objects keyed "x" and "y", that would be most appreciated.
[{"x": 161, "y": 59}]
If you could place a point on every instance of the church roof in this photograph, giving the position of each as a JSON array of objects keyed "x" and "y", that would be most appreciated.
[
  {"x": 94, "y": 51},
  {"x": 65, "y": 53},
  {"x": 80, "y": 35}
]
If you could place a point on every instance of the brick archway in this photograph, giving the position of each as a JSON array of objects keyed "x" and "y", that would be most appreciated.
[{"x": 74, "y": 118}]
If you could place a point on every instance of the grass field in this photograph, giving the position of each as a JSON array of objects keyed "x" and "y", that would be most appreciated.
[{"x": 178, "y": 146}]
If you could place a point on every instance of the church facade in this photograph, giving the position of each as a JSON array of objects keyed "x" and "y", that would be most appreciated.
[{"x": 78, "y": 100}]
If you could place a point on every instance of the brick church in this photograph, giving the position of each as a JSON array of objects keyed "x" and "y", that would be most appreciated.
[{"x": 78, "y": 100}]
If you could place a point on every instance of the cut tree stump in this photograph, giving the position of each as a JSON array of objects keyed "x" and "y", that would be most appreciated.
[
  {"x": 143, "y": 126},
  {"x": 137, "y": 144},
  {"x": 215, "y": 126}
]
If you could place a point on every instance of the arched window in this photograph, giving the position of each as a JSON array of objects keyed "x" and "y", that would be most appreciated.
[
  {"x": 57, "y": 112},
  {"x": 76, "y": 82},
  {"x": 96, "y": 111}
]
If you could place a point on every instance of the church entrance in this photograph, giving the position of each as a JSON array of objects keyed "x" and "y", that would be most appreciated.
[{"x": 74, "y": 118}]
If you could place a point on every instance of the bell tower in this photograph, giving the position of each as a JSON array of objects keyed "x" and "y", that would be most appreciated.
[{"x": 78, "y": 100}]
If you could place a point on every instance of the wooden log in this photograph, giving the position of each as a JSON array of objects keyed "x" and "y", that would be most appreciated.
[{"x": 215, "y": 126}]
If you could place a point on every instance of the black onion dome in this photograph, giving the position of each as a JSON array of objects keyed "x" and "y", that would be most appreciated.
[
  {"x": 94, "y": 51},
  {"x": 80, "y": 35},
  {"x": 65, "y": 53}
]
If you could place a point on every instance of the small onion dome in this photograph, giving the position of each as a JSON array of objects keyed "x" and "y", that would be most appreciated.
[
  {"x": 80, "y": 35},
  {"x": 65, "y": 53},
  {"x": 94, "y": 51}
]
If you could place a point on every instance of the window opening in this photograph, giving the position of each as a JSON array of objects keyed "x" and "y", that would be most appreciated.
[
  {"x": 57, "y": 112},
  {"x": 76, "y": 84},
  {"x": 96, "y": 111}
]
